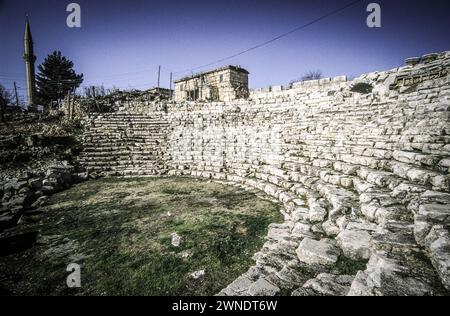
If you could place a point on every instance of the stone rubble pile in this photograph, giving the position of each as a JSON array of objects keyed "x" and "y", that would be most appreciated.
[
  {"x": 363, "y": 175},
  {"x": 37, "y": 159},
  {"x": 31, "y": 190},
  {"x": 20, "y": 152}
]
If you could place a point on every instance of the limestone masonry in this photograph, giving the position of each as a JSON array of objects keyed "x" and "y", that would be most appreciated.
[
  {"x": 223, "y": 84},
  {"x": 361, "y": 167}
]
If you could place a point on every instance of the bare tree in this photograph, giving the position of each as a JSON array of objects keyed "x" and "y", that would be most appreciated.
[
  {"x": 310, "y": 75},
  {"x": 96, "y": 91},
  {"x": 5, "y": 100},
  {"x": 87, "y": 92}
]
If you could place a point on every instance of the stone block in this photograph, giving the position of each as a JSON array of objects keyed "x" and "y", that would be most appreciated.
[
  {"x": 330, "y": 284},
  {"x": 317, "y": 252},
  {"x": 355, "y": 244},
  {"x": 262, "y": 287}
]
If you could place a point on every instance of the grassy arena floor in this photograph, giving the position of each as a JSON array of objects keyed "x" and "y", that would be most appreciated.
[{"x": 119, "y": 230}]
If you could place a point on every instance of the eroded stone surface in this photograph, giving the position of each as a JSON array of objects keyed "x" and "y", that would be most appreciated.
[
  {"x": 317, "y": 252},
  {"x": 263, "y": 288},
  {"x": 355, "y": 243},
  {"x": 330, "y": 284}
]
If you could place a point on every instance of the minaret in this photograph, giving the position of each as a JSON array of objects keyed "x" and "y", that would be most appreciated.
[{"x": 29, "y": 66}]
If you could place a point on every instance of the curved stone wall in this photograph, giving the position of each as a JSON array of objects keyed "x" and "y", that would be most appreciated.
[{"x": 361, "y": 166}]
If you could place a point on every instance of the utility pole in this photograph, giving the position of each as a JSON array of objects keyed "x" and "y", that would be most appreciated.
[
  {"x": 15, "y": 92},
  {"x": 170, "y": 89},
  {"x": 159, "y": 76}
]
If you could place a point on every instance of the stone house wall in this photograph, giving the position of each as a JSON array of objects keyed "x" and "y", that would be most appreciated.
[{"x": 224, "y": 84}]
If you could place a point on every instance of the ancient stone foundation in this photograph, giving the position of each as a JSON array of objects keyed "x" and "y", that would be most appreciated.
[{"x": 361, "y": 167}]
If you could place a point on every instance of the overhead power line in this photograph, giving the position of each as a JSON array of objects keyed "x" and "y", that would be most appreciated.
[
  {"x": 9, "y": 77},
  {"x": 336, "y": 11}
]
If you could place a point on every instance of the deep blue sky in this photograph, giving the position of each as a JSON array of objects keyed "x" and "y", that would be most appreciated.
[{"x": 122, "y": 42}]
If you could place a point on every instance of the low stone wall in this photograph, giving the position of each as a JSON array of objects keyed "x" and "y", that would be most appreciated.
[
  {"x": 361, "y": 166},
  {"x": 31, "y": 190},
  {"x": 138, "y": 102}
]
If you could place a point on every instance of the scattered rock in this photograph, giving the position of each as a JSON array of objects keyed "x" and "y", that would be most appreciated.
[
  {"x": 36, "y": 184},
  {"x": 185, "y": 254},
  {"x": 80, "y": 177},
  {"x": 48, "y": 190},
  {"x": 330, "y": 284},
  {"x": 40, "y": 202},
  {"x": 176, "y": 240},
  {"x": 317, "y": 252},
  {"x": 7, "y": 221},
  {"x": 19, "y": 185},
  {"x": 30, "y": 188},
  {"x": 198, "y": 274}
]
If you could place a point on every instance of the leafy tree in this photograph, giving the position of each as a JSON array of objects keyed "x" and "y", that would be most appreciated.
[
  {"x": 5, "y": 100},
  {"x": 56, "y": 78}
]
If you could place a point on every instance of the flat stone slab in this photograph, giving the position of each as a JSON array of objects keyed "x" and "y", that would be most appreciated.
[
  {"x": 300, "y": 213},
  {"x": 317, "y": 252},
  {"x": 262, "y": 287},
  {"x": 330, "y": 284},
  {"x": 302, "y": 230},
  {"x": 317, "y": 213},
  {"x": 241, "y": 284},
  {"x": 355, "y": 243},
  {"x": 278, "y": 233}
]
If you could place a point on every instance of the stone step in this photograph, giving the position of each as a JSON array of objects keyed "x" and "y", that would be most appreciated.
[
  {"x": 106, "y": 146},
  {"x": 128, "y": 130},
  {"x": 124, "y": 123},
  {"x": 431, "y": 230},
  {"x": 124, "y": 148},
  {"x": 158, "y": 160},
  {"x": 133, "y": 152},
  {"x": 376, "y": 202},
  {"x": 411, "y": 173},
  {"x": 397, "y": 266}
]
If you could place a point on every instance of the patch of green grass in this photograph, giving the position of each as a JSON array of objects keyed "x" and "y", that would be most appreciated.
[
  {"x": 119, "y": 230},
  {"x": 347, "y": 266},
  {"x": 174, "y": 190}
]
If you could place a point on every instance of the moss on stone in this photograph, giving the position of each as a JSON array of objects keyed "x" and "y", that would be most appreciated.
[{"x": 348, "y": 266}]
